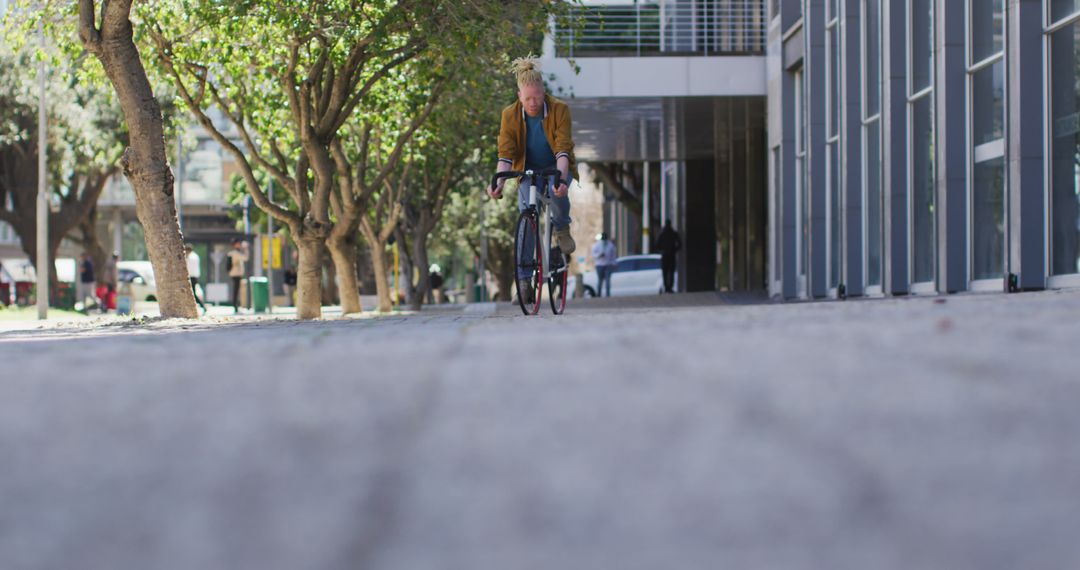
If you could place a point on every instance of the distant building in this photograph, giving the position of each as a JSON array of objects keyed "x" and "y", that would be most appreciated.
[
  {"x": 669, "y": 117},
  {"x": 910, "y": 146}
]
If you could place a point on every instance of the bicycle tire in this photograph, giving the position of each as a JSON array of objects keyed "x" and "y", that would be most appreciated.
[
  {"x": 527, "y": 226},
  {"x": 557, "y": 288}
]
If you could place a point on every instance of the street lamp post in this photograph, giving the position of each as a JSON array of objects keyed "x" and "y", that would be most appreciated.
[{"x": 42, "y": 196}]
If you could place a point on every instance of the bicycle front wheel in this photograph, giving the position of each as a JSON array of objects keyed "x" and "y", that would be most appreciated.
[
  {"x": 557, "y": 281},
  {"x": 528, "y": 263}
]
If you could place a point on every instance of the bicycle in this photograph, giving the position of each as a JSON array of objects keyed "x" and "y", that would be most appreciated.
[{"x": 548, "y": 260}]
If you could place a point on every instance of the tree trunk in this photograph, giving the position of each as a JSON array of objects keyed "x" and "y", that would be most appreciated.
[
  {"x": 407, "y": 268},
  {"x": 343, "y": 252},
  {"x": 145, "y": 161},
  {"x": 330, "y": 294},
  {"x": 91, "y": 244},
  {"x": 382, "y": 287},
  {"x": 423, "y": 282},
  {"x": 505, "y": 282},
  {"x": 309, "y": 278},
  {"x": 501, "y": 265},
  {"x": 54, "y": 278}
]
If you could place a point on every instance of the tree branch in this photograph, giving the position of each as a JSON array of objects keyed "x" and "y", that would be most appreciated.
[
  {"x": 246, "y": 170},
  {"x": 88, "y": 31}
]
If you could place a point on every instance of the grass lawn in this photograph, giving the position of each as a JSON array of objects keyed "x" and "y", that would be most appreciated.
[{"x": 30, "y": 314}]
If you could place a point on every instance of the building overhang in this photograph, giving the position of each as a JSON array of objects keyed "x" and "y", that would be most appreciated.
[{"x": 660, "y": 76}]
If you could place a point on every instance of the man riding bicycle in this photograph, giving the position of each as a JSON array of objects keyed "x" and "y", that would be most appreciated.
[{"x": 535, "y": 135}]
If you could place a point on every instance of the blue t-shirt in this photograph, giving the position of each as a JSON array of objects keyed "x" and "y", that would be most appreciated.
[{"x": 538, "y": 153}]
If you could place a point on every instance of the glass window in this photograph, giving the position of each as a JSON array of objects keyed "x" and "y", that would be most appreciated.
[
  {"x": 872, "y": 57},
  {"x": 873, "y": 203},
  {"x": 834, "y": 81},
  {"x": 922, "y": 44},
  {"x": 988, "y": 98},
  {"x": 987, "y": 84},
  {"x": 626, "y": 265},
  {"x": 648, "y": 263},
  {"x": 922, "y": 189},
  {"x": 801, "y": 201},
  {"x": 987, "y": 28},
  {"x": 988, "y": 219},
  {"x": 1065, "y": 151},
  {"x": 1060, "y": 9}
]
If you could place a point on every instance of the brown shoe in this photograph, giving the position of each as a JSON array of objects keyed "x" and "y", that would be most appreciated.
[{"x": 566, "y": 242}]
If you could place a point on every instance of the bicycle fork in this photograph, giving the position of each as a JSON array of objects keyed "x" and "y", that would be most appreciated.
[{"x": 545, "y": 245}]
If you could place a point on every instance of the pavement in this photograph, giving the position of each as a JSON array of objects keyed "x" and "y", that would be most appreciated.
[{"x": 684, "y": 431}]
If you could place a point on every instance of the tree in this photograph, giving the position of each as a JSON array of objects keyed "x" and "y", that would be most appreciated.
[
  {"x": 84, "y": 146},
  {"x": 288, "y": 77},
  {"x": 307, "y": 85},
  {"x": 468, "y": 215},
  {"x": 145, "y": 161},
  {"x": 452, "y": 149}
]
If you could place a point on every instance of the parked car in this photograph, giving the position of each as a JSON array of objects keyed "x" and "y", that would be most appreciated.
[
  {"x": 634, "y": 275},
  {"x": 140, "y": 274}
]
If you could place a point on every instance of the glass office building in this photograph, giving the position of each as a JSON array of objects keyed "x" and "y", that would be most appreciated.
[{"x": 923, "y": 146}]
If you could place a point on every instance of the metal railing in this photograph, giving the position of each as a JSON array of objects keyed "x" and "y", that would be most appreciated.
[{"x": 672, "y": 27}]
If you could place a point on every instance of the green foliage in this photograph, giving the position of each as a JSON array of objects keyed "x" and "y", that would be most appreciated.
[{"x": 86, "y": 134}]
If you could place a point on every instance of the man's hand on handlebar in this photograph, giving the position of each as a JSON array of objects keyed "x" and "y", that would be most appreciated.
[
  {"x": 496, "y": 191},
  {"x": 561, "y": 189}
]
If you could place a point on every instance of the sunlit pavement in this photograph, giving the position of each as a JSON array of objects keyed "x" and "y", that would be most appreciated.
[{"x": 658, "y": 432}]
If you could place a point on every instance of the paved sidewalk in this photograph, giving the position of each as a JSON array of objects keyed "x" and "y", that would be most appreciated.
[{"x": 664, "y": 432}]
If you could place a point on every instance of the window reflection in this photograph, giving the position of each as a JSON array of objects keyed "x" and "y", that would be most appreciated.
[{"x": 1065, "y": 159}]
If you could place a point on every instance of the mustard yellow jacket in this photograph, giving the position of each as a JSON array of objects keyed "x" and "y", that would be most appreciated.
[{"x": 556, "y": 128}]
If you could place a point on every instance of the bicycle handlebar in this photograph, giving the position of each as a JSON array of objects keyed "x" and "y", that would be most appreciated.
[{"x": 548, "y": 172}]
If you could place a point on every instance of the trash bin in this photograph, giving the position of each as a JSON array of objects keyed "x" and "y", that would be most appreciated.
[
  {"x": 24, "y": 293},
  {"x": 260, "y": 293},
  {"x": 65, "y": 296}
]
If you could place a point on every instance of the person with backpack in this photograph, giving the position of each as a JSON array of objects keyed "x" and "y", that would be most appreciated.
[{"x": 236, "y": 265}]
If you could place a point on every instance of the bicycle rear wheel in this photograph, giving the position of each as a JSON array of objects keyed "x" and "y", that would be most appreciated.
[
  {"x": 528, "y": 261},
  {"x": 557, "y": 281}
]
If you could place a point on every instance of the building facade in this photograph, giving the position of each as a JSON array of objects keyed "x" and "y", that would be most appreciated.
[
  {"x": 668, "y": 100},
  {"x": 923, "y": 146}
]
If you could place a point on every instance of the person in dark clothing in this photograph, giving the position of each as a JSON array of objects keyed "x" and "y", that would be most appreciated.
[
  {"x": 435, "y": 280},
  {"x": 85, "y": 287},
  {"x": 668, "y": 244}
]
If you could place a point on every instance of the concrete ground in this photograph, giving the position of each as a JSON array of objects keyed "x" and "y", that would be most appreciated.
[{"x": 662, "y": 432}]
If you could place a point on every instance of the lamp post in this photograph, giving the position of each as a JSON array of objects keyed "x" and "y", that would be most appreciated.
[{"x": 42, "y": 195}]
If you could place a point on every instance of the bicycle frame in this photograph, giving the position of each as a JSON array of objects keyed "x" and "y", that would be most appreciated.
[{"x": 541, "y": 202}]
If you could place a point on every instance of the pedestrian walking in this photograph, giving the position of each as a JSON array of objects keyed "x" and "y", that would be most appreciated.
[
  {"x": 194, "y": 273},
  {"x": 605, "y": 259},
  {"x": 236, "y": 264},
  {"x": 111, "y": 277},
  {"x": 435, "y": 279},
  {"x": 668, "y": 244},
  {"x": 84, "y": 287}
]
